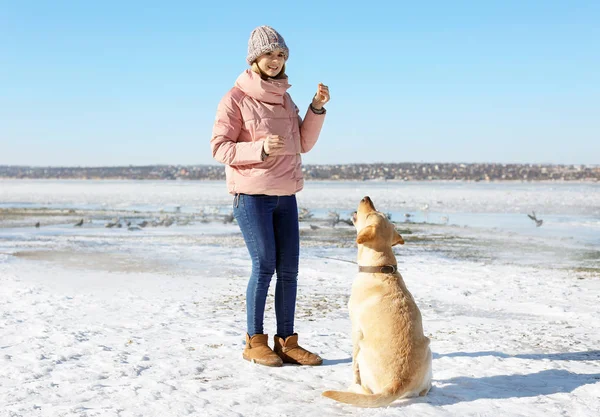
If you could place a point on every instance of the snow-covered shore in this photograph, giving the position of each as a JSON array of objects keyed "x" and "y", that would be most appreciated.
[{"x": 104, "y": 322}]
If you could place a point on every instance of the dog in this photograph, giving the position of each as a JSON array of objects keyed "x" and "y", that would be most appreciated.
[{"x": 391, "y": 358}]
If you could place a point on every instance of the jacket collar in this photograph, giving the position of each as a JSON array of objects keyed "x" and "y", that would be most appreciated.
[{"x": 268, "y": 91}]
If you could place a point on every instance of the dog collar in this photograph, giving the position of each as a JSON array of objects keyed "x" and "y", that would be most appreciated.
[{"x": 385, "y": 269}]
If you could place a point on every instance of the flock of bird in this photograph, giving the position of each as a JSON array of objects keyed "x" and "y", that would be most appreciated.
[
  {"x": 304, "y": 214},
  {"x": 118, "y": 223}
]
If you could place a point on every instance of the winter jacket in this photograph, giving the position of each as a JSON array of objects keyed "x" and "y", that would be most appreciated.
[{"x": 251, "y": 110}]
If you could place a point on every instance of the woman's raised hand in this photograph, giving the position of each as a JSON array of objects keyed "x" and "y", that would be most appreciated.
[{"x": 321, "y": 97}]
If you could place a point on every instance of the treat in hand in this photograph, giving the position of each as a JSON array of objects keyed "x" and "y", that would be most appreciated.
[{"x": 321, "y": 97}]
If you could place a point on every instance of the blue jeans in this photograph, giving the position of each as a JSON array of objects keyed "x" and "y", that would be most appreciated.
[{"x": 270, "y": 228}]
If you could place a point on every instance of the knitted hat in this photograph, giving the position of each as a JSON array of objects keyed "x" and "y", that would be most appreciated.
[{"x": 265, "y": 39}]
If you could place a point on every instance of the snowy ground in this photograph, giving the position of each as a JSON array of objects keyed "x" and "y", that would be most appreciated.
[{"x": 113, "y": 322}]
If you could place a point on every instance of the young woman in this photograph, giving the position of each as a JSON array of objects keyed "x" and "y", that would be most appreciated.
[{"x": 259, "y": 136}]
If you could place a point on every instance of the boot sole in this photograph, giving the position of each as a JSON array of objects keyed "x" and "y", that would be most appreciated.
[
  {"x": 272, "y": 365},
  {"x": 304, "y": 364}
]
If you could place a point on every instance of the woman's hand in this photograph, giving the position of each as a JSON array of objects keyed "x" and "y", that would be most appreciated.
[
  {"x": 273, "y": 144},
  {"x": 321, "y": 97}
]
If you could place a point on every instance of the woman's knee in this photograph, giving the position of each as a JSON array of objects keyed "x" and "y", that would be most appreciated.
[
  {"x": 287, "y": 273},
  {"x": 264, "y": 267}
]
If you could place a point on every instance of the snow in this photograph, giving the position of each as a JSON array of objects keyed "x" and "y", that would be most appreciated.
[{"x": 107, "y": 322}]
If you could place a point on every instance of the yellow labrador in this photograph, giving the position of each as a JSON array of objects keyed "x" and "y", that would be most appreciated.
[{"x": 391, "y": 358}]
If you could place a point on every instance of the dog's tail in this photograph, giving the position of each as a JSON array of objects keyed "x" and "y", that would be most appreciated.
[{"x": 389, "y": 394}]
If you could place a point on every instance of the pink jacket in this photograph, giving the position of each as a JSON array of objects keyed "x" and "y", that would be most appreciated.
[{"x": 251, "y": 110}]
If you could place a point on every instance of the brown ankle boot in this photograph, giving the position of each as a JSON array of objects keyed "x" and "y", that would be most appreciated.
[
  {"x": 290, "y": 352},
  {"x": 257, "y": 350}
]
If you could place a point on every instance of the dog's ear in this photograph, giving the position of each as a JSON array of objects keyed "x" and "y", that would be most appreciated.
[
  {"x": 366, "y": 234},
  {"x": 397, "y": 239}
]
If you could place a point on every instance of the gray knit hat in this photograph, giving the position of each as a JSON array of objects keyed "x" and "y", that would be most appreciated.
[{"x": 265, "y": 39}]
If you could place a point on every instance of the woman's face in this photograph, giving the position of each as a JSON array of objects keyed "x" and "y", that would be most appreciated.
[{"x": 271, "y": 63}]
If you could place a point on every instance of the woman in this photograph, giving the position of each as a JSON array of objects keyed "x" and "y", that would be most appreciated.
[{"x": 259, "y": 136}]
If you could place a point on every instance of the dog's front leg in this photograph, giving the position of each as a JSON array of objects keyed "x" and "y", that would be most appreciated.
[{"x": 356, "y": 338}]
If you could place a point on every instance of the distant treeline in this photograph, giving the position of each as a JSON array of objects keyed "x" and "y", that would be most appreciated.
[{"x": 362, "y": 172}]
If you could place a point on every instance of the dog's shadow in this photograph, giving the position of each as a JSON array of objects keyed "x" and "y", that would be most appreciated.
[
  {"x": 466, "y": 389},
  {"x": 591, "y": 355},
  {"x": 552, "y": 381}
]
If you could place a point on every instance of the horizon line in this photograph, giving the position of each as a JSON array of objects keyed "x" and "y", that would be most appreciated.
[{"x": 307, "y": 164}]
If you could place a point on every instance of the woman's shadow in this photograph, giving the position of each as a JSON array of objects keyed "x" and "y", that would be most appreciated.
[
  {"x": 552, "y": 381},
  {"x": 329, "y": 362}
]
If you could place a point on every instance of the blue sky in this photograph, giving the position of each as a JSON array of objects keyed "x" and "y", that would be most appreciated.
[{"x": 120, "y": 83}]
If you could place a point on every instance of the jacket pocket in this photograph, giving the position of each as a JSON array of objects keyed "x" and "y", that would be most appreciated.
[{"x": 256, "y": 170}]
